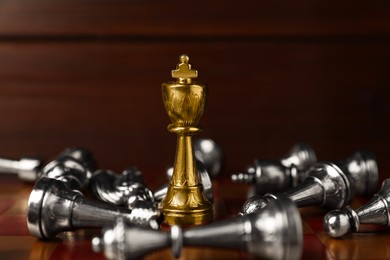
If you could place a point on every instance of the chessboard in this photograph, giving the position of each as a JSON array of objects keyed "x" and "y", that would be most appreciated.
[{"x": 17, "y": 243}]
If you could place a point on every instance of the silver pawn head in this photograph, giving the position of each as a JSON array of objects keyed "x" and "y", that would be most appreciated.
[
  {"x": 376, "y": 211},
  {"x": 68, "y": 170},
  {"x": 301, "y": 155},
  {"x": 364, "y": 170},
  {"x": 74, "y": 167},
  {"x": 337, "y": 223},
  {"x": 210, "y": 154},
  {"x": 29, "y": 168},
  {"x": 84, "y": 156}
]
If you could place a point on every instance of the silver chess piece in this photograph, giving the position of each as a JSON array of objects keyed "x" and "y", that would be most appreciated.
[
  {"x": 54, "y": 208},
  {"x": 204, "y": 178},
  {"x": 327, "y": 184},
  {"x": 278, "y": 175},
  {"x": 338, "y": 223},
  {"x": 83, "y": 155},
  {"x": 363, "y": 168},
  {"x": 274, "y": 233},
  {"x": 27, "y": 168},
  {"x": 210, "y": 154},
  {"x": 127, "y": 189},
  {"x": 74, "y": 167}
]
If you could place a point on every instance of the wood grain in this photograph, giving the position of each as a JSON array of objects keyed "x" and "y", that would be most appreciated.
[
  {"x": 263, "y": 97},
  {"x": 89, "y": 73},
  {"x": 97, "y": 18}
]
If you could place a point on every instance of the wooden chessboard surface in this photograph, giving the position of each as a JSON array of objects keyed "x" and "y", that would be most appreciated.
[{"x": 17, "y": 243}]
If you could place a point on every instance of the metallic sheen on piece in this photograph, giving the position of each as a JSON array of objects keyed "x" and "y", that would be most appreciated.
[
  {"x": 27, "y": 168},
  {"x": 327, "y": 184},
  {"x": 274, "y": 233},
  {"x": 278, "y": 175},
  {"x": 210, "y": 154},
  {"x": 54, "y": 208},
  {"x": 127, "y": 189},
  {"x": 74, "y": 167},
  {"x": 83, "y": 155},
  {"x": 363, "y": 168},
  {"x": 184, "y": 101},
  {"x": 338, "y": 223},
  {"x": 204, "y": 179}
]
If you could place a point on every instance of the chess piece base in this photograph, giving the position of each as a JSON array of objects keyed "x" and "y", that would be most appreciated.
[{"x": 186, "y": 206}]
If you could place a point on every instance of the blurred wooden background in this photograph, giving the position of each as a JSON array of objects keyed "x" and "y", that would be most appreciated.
[{"x": 89, "y": 73}]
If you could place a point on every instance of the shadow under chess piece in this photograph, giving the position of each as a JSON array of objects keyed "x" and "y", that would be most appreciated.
[
  {"x": 127, "y": 189},
  {"x": 338, "y": 223},
  {"x": 274, "y": 233},
  {"x": 204, "y": 178},
  {"x": 327, "y": 185},
  {"x": 278, "y": 175},
  {"x": 184, "y": 101},
  {"x": 54, "y": 208}
]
